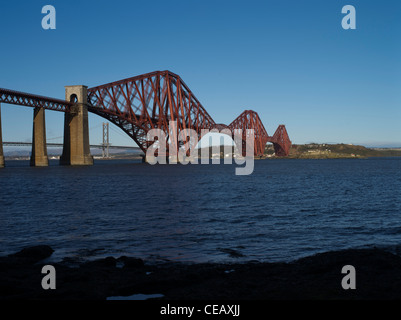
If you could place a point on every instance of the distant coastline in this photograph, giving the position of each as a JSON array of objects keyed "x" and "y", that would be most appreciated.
[
  {"x": 334, "y": 151},
  {"x": 297, "y": 151},
  {"x": 320, "y": 151}
]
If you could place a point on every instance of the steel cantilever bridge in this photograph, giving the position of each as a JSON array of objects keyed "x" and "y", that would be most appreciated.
[{"x": 151, "y": 101}]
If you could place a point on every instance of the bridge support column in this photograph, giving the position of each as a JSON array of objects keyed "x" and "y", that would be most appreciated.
[
  {"x": 76, "y": 149},
  {"x": 1, "y": 145},
  {"x": 39, "y": 150}
]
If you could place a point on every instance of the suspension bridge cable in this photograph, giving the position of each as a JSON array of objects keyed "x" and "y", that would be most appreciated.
[
  {"x": 62, "y": 137},
  {"x": 119, "y": 132}
]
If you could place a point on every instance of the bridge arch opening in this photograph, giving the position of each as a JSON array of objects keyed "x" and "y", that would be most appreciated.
[
  {"x": 218, "y": 145},
  {"x": 73, "y": 98}
]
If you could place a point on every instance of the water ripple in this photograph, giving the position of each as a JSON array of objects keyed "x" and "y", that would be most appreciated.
[{"x": 286, "y": 209}]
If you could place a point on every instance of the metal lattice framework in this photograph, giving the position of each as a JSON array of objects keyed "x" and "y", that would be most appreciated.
[
  {"x": 151, "y": 101},
  {"x": 32, "y": 100},
  {"x": 250, "y": 120},
  {"x": 281, "y": 141}
]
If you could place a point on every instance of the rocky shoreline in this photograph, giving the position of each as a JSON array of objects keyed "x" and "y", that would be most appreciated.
[{"x": 318, "y": 277}]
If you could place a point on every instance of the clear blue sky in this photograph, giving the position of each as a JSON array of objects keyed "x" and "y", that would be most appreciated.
[{"x": 290, "y": 61}]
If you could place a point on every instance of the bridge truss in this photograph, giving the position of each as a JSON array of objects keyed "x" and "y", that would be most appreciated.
[{"x": 151, "y": 101}]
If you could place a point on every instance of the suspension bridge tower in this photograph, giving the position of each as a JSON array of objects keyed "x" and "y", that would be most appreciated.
[{"x": 106, "y": 141}]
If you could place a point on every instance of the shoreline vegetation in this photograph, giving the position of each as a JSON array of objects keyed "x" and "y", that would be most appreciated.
[{"x": 316, "y": 277}]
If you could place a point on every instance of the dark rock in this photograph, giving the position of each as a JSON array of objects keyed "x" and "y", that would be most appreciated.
[
  {"x": 34, "y": 254},
  {"x": 378, "y": 276},
  {"x": 130, "y": 262},
  {"x": 232, "y": 252},
  {"x": 108, "y": 262}
]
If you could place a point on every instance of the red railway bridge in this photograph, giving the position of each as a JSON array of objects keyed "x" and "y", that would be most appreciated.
[{"x": 136, "y": 105}]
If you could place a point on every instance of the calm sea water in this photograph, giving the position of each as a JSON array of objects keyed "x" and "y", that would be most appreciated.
[{"x": 285, "y": 210}]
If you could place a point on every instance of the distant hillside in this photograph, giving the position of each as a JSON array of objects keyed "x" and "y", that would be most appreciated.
[{"x": 315, "y": 150}]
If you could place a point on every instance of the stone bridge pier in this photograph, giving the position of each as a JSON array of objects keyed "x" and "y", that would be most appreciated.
[
  {"x": 76, "y": 150},
  {"x": 39, "y": 151},
  {"x": 1, "y": 145}
]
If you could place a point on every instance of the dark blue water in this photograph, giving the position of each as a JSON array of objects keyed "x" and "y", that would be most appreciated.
[{"x": 284, "y": 210}]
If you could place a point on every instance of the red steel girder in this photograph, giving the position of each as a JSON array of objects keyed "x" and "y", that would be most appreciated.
[
  {"x": 249, "y": 119},
  {"x": 281, "y": 141},
  {"x": 32, "y": 100},
  {"x": 149, "y": 101}
]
